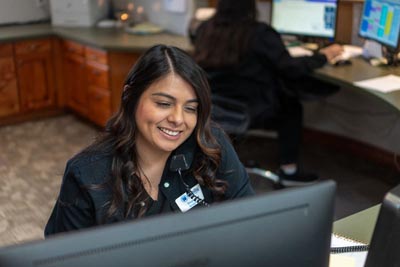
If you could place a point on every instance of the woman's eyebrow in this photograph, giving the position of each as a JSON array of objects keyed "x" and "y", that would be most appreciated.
[
  {"x": 164, "y": 95},
  {"x": 174, "y": 98}
]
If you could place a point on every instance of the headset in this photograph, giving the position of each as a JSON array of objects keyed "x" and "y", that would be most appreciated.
[{"x": 179, "y": 164}]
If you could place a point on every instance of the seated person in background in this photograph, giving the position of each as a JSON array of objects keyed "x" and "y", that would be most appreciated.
[
  {"x": 247, "y": 61},
  {"x": 125, "y": 174}
]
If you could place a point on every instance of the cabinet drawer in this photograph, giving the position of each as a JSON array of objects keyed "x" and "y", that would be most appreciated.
[
  {"x": 97, "y": 55},
  {"x": 72, "y": 47},
  {"x": 97, "y": 75},
  {"x": 6, "y": 50},
  {"x": 99, "y": 105},
  {"x": 32, "y": 46}
]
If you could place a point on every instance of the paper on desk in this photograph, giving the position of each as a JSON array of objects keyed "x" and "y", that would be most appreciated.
[
  {"x": 383, "y": 84},
  {"x": 351, "y": 259},
  {"x": 337, "y": 260},
  {"x": 298, "y": 51}
]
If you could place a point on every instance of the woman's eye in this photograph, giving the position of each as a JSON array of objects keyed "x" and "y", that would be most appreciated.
[
  {"x": 191, "y": 109},
  {"x": 163, "y": 104}
]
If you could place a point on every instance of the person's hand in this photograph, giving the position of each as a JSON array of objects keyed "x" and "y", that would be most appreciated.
[{"x": 331, "y": 51}]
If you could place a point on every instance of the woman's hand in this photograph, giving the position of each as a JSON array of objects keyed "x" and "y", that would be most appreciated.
[{"x": 332, "y": 51}]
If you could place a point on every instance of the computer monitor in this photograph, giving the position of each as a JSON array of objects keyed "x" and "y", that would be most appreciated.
[
  {"x": 313, "y": 18},
  {"x": 290, "y": 227},
  {"x": 380, "y": 21},
  {"x": 385, "y": 242}
]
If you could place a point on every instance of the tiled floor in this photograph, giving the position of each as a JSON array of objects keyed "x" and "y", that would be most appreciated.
[{"x": 33, "y": 157}]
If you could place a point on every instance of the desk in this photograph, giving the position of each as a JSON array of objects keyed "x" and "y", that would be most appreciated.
[
  {"x": 367, "y": 116},
  {"x": 359, "y": 226},
  {"x": 359, "y": 70}
]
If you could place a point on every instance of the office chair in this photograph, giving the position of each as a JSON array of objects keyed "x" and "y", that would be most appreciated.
[{"x": 232, "y": 117}]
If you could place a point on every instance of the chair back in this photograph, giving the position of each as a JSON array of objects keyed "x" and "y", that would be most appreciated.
[{"x": 230, "y": 114}]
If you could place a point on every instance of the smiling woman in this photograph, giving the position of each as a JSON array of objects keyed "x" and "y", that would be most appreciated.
[{"x": 159, "y": 153}]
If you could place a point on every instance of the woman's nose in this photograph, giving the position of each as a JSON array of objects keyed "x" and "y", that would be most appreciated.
[{"x": 176, "y": 115}]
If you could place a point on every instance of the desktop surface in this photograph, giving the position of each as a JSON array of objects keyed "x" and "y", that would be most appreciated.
[
  {"x": 378, "y": 226},
  {"x": 290, "y": 227},
  {"x": 360, "y": 70}
]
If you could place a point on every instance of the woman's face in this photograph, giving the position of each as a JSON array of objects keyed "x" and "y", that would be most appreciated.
[{"x": 166, "y": 115}]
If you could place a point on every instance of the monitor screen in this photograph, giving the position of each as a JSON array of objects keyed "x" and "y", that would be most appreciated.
[
  {"x": 315, "y": 18},
  {"x": 290, "y": 227},
  {"x": 380, "y": 21},
  {"x": 385, "y": 242}
]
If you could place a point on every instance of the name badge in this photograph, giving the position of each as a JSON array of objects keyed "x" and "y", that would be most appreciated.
[{"x": 185, "y": 202}]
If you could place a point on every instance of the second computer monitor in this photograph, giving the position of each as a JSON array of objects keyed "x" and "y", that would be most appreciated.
[
  {"x": 313, "y": 18},
  {"x": 380, "y": 21}
]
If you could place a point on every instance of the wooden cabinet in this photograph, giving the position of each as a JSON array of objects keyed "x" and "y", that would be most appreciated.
[
  {"x": 34, "y": 67},
  {"x": 39, "y": 77},
  {"x": 9, "y": 99},
  {"x": 99, "y": 105},
  {"x": 75, "y": 78},
  {"x": 86, "y": 76},
  {"x": 99, "y": 85}
]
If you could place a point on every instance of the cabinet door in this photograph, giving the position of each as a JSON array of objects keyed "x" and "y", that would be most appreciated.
[
  {"x": 35, "y": 74},
  {"x": 9, "y": 102},
  {"x": 99, "y": 105},
  {"x": 76, "y": 83},
  {"x": 97, "y": 74}
]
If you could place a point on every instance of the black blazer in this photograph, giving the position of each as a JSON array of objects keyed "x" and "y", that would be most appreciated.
[{"x": 79, "y": 207}]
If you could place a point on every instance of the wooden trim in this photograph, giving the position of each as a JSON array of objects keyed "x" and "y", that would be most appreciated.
[
  {"x": 344, "y": 22},
  {"x": 359, "y": 149},
  {"x": 59, "y": 71},
  {"x": 212, "y": 3},
  {"x": 30, "y": 116}
]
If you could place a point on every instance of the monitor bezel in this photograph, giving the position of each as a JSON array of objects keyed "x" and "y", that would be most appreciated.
[{"x": 383, "y": 249}]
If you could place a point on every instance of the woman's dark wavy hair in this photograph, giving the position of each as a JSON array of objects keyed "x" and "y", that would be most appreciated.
[
  {"x": 223, "y": 40},
  {"x": 120, "y": 133}
]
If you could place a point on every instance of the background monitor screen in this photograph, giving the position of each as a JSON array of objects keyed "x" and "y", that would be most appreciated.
[
  {"x": 290, "y": 227},
  {"x": 315, "y": 18},
  {"x": 380, "y": 21}
]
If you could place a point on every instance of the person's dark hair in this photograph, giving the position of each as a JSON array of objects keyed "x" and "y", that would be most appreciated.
[
  {"x": 120, "y": 133},
  {"x": 223, "y": 40}
]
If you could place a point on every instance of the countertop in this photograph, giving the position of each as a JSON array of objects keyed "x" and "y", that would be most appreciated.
[{"x": 108, "y": 39}]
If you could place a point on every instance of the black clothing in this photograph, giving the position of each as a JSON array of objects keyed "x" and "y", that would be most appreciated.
[
  {"x": 80, "y": 207},
  {"x": 261, "y": 81}
]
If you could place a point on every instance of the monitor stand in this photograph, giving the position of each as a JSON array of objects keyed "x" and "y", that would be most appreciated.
[
  {"x": 309, "y": 43},
  {"x": 392, "y": 57},
  {"x": 318, "y": 41},
  {"x": 379, "y": 55}
]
